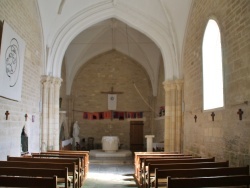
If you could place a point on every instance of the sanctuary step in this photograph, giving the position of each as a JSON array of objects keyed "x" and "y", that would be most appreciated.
[
  {"x": 111, "y": 160},
  {"x": 118, "y": 157}
]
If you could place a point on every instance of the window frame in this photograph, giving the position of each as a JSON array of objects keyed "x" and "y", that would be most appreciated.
[{"x": 222, "y": 67}]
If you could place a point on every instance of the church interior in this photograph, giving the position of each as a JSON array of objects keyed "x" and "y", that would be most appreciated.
[{"x": 147, "y": 76}]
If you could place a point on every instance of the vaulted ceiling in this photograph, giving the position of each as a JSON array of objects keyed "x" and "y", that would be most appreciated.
[{"x": 115, "y": 32}]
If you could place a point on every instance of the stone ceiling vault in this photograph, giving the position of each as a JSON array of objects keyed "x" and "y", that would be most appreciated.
[{"x": 145, "y": 30}]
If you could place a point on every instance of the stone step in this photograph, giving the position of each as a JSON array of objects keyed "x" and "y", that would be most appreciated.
[{"x": 111, "y": 160}]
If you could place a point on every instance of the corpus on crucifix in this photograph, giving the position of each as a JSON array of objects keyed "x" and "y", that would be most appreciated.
[{"x": 112, "y": 98}]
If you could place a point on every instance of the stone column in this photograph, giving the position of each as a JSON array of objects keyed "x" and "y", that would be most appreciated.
[
  {"x": 149, "y": 142},
  {"x": 56, "y": 127},
  {"x": 45, "y": 117},
  {"x": 167, "y": 135},
  {"x": 50, "y": 113},
  {"x": 173, "y": 115},
  {"x": 179, "y": 127}
]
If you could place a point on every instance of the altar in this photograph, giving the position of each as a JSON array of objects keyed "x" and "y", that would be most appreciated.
[
  {"x": 110, "y": 148},
  {"x": 110, "y": 143}
]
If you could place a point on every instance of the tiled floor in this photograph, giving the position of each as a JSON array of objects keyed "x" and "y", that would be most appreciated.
[{"x": 110, "y": 173}]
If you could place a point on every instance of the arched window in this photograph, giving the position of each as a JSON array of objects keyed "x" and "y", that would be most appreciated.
[{"x": 213, "y": 95}]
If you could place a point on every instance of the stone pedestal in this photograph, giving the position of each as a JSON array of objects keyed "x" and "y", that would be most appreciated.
[{"x": 149, "y": 142}]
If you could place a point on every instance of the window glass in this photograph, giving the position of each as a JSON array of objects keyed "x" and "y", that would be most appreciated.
[{"x": 213, "y": 96}]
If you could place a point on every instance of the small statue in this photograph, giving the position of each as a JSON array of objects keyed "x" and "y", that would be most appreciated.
[
  {"x": 23, "y": 132},
  {"x": 24, "y": 140},
  {"x": 76, "y": 131}
]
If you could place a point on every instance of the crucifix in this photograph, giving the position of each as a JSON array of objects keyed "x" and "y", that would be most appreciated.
[
  {"x": 26, "y": 116},
  {"x": 111, "y": 91},
  {"x": 7, "y": 114},
  {"x": 195, "y": 118},
  {"x": 112, "y": 99},
  {"x": 240, "y": 112},
  {"x": 212, "y": 114}
]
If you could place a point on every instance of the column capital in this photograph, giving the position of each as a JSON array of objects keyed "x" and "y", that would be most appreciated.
[
  {"x": 169, "y": 85},
  {"x": 57, "y": 81},
  {"x": 45, "y": 79},
  {"x": 51, "y": 80},
  {"x": 179, "y": 84}
]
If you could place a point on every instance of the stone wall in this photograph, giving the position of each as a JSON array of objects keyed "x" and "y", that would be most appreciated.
[
  {"x": 23, "y": 17},
  {"x": 227, "y": 137},
  {"x": 100, "y": 74}
]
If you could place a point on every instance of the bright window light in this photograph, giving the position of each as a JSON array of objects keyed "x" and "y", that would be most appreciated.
[{"x": 213, "y": 96}]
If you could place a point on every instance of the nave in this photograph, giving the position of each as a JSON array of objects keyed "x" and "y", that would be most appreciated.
[
  {"x": 54, "y": 169},
  {"x": 110, "y": 175}
]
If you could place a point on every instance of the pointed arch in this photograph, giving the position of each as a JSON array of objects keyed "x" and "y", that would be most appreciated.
[{"x": 86, "y": 18}]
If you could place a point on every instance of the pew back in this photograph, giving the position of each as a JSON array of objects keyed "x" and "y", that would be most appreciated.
[
  {"x": 138, "y": 156},
  {"x": 146, "y": 170},
  {"x": 31, "y": 182},
  {"x": 72, "y": 152},
  {"x": 139, "y": 159},
  {"x": 215, "y": 181},
  {"x": 151, "y": 168},
  {"x": 162, "y": 174},
  {"x": 48, "y": 165},
  {"x": 83, "y": 166},
  {"x": 36, "y": 172}
]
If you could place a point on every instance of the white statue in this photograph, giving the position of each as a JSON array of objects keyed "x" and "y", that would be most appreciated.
[{"x": 76, "y": 131}]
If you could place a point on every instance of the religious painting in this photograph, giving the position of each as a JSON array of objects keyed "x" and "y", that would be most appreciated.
[{"x": 11, "y": 63}]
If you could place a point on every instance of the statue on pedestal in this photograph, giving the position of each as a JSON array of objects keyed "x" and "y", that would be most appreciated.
[{"x": 76, "y": 131}]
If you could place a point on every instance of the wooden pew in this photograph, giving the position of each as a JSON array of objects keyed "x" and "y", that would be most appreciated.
[
  {"x": 147, "y": 172},
  {"x": 52, "y": 160},
  {"x": 31, "y": 182},
  {"x": 37, "y": 172},
  {"x": 72, "y": 171},
  {"x": 84, "y": 154},
  {"x": 152, "y": 167},
  {"x": 83, "y": 168},
  {"x": 162, "y": 174},
  {"x": 214, "y": 181},
  {"x": 140, "y": 156},
  {"x": 158, "y": 158},
  {"x": 139, "y": 168},
  {"x": 72, "y": 152}
]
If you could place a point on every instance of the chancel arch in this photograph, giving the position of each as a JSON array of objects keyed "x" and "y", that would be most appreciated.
[
  {"x": 59, "y": 46},
  {"x": 83, "y": 20}
]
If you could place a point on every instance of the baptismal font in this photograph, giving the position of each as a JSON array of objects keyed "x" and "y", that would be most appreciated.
[{"x": 110, "y": 143}]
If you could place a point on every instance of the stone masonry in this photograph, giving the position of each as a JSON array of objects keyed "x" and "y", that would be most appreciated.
[
  {"x": 23, "y": 17},
  {"x": 227, "y": 137}
]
